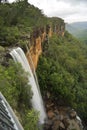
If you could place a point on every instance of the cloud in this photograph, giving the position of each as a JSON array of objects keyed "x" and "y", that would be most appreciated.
[
  {"x": 69, "y": 10},
  {"x": 74, "y": 1},
  {"x": 75, "y": 18},
  {"x": 63, "y": 10}
]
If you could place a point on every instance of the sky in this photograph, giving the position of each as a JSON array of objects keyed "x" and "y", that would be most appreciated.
[{"x": 69, "y": 10}]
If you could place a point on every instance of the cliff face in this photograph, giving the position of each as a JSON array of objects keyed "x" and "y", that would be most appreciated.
[
  {"x": 38, "y": 37},
  {"x": 34, "y": 52}
]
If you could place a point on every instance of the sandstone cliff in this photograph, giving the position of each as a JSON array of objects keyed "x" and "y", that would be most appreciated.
[{"x": 38, "y": 37}]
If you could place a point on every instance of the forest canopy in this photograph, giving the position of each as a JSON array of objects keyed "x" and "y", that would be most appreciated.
[
  {"x": 62, "y": 68},
  {"x": 62, "y": 71}
]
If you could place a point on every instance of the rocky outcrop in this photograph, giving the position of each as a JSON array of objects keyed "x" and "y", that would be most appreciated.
[
  {"x": 61, "y": 118},
  {"x": 34, "y": 52},
  {"x": 37, "y": 38}
]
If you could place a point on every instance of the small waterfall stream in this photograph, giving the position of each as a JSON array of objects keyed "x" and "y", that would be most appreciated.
[{"x": 37, "y": 102}]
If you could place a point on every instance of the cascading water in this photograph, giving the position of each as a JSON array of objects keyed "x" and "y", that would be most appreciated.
[{"x": 37, "y": 102}]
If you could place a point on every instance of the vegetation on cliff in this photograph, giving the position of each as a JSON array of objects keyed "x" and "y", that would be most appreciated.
[
  {"x": 62, "y": 71},
  {"x": 79, "y": 30},
  {"x": 19, "y": 20},
  {"x": 61, "y": 68},
  {"x": 14, "y": 86}
]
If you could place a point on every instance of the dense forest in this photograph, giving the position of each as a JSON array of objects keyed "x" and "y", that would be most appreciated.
[
  {"x": 62, "y": 67},
  {"x": 62, "y": 72},
  {"x": 19, "y": 20},
  {"x": 79, "y": 30}
]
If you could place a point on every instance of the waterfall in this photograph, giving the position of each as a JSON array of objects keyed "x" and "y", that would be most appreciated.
[{"x": 37, "y": 102}]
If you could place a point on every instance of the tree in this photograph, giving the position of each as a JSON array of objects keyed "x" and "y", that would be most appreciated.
[{"x": 62, "y": 71}]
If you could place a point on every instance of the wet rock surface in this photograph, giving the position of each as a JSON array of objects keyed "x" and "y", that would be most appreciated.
[{"x": 61, "y": 118}]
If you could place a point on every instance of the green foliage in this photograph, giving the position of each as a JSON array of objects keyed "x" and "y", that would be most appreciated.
[
  {"x": 19, "y": 19},
  {"x": 2, "y": 49},
  {"x": 17, "y": 23},
  {"x": 14, "y": 86},
  {"x": 9, "y": 36},
  {"x": 31, "y": 120},
  {"x": 79, "y": 30},
  {"x": 62, "y": 70}
]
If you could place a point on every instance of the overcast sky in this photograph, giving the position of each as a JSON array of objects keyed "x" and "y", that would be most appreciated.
[{"x": 69, "y": 10}]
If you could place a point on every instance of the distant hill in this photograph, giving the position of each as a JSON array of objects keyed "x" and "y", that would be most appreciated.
[
  {"x": 79, "y": 25},
  {"x": 78, "y": 29}
]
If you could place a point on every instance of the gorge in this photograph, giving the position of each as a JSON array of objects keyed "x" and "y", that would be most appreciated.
[{"x": 59, "y": 59}]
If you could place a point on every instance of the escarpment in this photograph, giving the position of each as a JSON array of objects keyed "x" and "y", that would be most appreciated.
[{"x": 39, "y": 37}]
